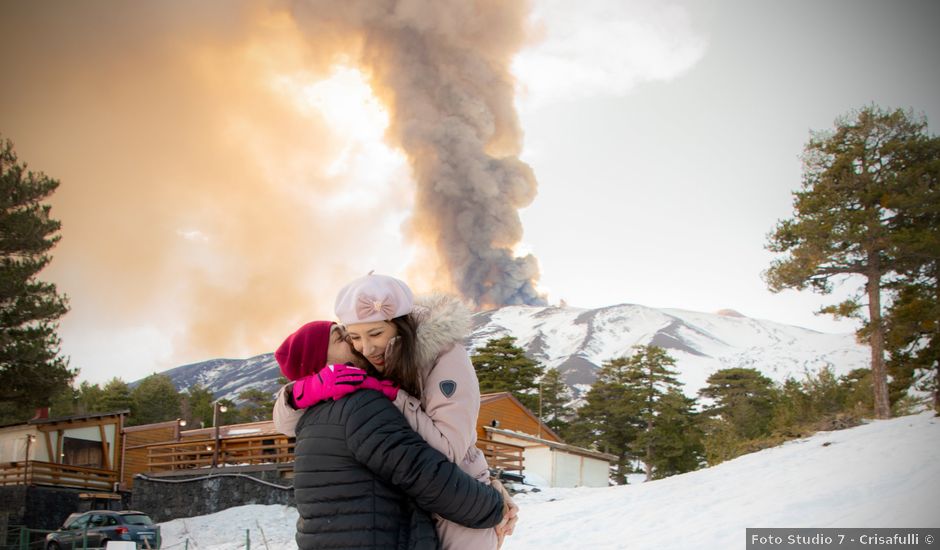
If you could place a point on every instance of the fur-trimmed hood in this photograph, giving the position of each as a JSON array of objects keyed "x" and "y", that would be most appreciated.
[{"x": 443, "y": 321}]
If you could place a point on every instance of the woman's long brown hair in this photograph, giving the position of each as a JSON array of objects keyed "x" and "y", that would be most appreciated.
[{"x": 401, "y": 364}]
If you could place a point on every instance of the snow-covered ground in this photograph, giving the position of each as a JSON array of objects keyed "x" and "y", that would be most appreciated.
[{"x": 883, "y": 474}]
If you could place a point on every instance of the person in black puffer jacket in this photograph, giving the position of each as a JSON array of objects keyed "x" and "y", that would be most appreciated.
[{"x": 364, "y": 479}]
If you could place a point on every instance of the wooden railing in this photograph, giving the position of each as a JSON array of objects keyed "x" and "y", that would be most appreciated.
[
  {"x": 502, "y": 456},
  {"x": 268, "y": 449},
  {"x": 61, "y": 475},
  {"x": 201, "y": 453}
]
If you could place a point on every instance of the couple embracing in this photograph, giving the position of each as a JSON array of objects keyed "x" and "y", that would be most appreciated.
[{"x": 398, "y": 466}]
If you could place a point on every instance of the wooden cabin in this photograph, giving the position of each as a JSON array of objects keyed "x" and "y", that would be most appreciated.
[
  {"x": 164, "y": 449},
  {"x": 510, "y": 434},
  {"x": 51, "y": 467},
  {"x": 137, "y": 442},
  {"x": 82, "y": 452}
]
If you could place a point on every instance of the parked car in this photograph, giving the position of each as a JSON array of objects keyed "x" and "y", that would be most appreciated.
[{"x": 95, "y": 528}]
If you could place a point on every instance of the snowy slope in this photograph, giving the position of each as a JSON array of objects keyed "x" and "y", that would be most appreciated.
[
  {"x": 579, "y": 340},
  {"x": 883, "y": 474}
]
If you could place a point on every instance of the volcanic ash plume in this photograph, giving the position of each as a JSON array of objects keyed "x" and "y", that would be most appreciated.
[{"x": 442, "y": 70}]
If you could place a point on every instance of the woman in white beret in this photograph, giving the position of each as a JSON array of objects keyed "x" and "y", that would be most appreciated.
[{"x": 418, "y": 345}]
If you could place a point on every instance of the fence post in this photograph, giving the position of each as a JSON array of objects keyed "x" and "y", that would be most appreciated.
[
  {"x": 186, "y": 545},
  {"x": 247, "y": 539},
  {"x": 24, "y": 538}
]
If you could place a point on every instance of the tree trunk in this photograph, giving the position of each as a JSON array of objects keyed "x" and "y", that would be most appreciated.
[
  {"x": 877, "y": 340},
  {"x": 936, "y": 363},
  {"x": 936, "y": 389}
]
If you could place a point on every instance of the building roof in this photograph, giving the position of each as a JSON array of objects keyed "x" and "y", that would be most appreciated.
[
  {"x": 155, "y": 425},
  {"x": 265, "y": 427},
  {"x": 72, "y": 418},
  {"x": 491, "y": 397},
  {"x": 552, "y": 444}
]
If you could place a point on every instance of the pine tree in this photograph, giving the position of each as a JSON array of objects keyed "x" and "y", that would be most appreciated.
[
  {"x": 116, "y": 396},
  {"x": 32, "y": 370},
  {"x": 257, "y": 405},
  {"x": 650, "y": 378},
  {"x": 792, "y": 409},
  {"x": 821, "y": 398},
  {"x": 913, "y": 320},
  {"x": 197, "y": 404},
  {"x": 674, "y": 445},
  {"x": 555, "y": 395},
  {"x": 156, "y": 399},
  {"x": 65, "y": 403},
  {"x": 859, "y": 399},
  {"x": 610, "y": 419},
  {"x": 502, "y": 366},
  {"x": 86, "y": 399},
  {"x": 721, "y": 440},
  {"x": 843, "y": 222},
  {"x": 744, "y": 398},
  {"x": 827, "y": 393}
]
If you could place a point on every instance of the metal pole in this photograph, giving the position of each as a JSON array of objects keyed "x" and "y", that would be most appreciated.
[
  {"x": 247, "y": 539},
  {"x": 215, "y": 425},
  {"x": 29, "y": 439},
  {"x": 540, "y": 408}
]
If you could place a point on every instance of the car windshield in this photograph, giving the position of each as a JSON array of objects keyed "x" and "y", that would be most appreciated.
[
  {"x": 137, "y": 519},
  {"x": 75, "y": 521}
]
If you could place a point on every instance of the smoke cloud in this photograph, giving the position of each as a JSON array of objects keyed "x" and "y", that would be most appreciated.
[
  {"x": 201, "y": 186},
  {"x": 442, "y": 68}
]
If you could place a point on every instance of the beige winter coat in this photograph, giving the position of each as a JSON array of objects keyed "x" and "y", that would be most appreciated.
[{"x": 446, "y": 415}]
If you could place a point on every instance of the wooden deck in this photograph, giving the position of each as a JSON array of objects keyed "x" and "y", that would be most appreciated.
[
  {"x": 201, "y": 453},
  {"x": 59, "y": 475},
  {"x": 502, "y": 456}
]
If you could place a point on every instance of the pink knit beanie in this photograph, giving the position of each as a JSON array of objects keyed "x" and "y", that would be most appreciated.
[{"x": 304, "y": 352}]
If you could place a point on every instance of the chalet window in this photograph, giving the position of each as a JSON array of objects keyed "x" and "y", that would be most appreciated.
[{"x": 82, "y": 452}]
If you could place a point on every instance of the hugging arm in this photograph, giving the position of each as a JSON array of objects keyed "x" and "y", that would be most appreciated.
[
  {"x": 285, "y": 415},
  {"x": 380, "y": 438},
  {"x": 330, "y": 382},
  {"x": 452, "y": 404}
]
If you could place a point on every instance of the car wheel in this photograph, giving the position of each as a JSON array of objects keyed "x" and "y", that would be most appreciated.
[{"x": 52, "y": 546}]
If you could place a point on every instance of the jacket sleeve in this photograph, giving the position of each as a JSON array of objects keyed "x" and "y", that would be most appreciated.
[
  {"x": 448, "y": 419},
  {"x": 285, "y": 416},
  {"x": 380, "y": 438}
]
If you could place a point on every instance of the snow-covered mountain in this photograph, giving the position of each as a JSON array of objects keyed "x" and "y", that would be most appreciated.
[{"x": 578, "y": 341}]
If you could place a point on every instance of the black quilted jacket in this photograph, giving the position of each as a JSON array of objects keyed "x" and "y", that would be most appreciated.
[{"x": 364, "y": 479}]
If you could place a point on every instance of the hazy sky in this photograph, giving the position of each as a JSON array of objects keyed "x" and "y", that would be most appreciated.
[{"x": 224, "y": 172}]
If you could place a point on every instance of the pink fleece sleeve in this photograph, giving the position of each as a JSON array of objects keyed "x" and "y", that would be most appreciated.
[
  {"x": 285, "y": 416},
  {"x": 446, "y": 416}
]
